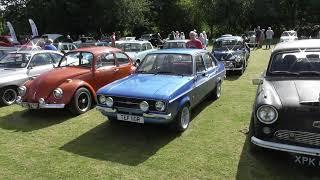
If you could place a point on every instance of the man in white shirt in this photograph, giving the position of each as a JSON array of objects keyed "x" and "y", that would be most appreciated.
[{"x": 269, "y": 37}]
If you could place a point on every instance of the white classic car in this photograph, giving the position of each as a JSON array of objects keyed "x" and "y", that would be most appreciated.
[
  {"x": 137, "y": 50},
  {"x": 287, "y": 36}
]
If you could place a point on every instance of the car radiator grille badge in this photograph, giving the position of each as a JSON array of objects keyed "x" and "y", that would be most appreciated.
[{"x": 316, "y": 124}]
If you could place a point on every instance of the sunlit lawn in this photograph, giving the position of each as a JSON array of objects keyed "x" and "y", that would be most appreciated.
[{"x": 55, "y": 145}]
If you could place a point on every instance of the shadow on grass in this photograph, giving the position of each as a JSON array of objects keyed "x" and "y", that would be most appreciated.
[
  {"x": 27, "y": 121},
  {"x": 270, "y": 164},
  {"x": 232, "y": 76},
  {"x": 125, "y": 143}
]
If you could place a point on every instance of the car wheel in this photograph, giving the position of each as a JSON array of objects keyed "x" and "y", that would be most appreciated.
[
  {"x": 217, "y": 91},
  {"x": 252, "y": 147},
  {"x": 183, "y": 119},
  {"x": 81, "y": 101},
  {"x": 8, "y": 96}
]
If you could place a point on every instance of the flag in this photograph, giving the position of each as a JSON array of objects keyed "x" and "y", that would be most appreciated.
[{"x": 33, "y": 28}]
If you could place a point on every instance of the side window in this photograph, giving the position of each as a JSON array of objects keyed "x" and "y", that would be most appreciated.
[
  {"x": 144, "y": 47},
  {"x": 56, "y": 57},
  {"x": 208, "y": 61},
  {"x": 149, "y": 46},
  {"x": 106, "y": 60},
  {"x": 122, "y": 58},
  {"x": 41, "y": 59},
  {"x": 200, "y": 67}
]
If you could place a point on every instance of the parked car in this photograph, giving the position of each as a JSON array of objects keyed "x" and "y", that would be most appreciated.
[
  {"x": 5, "y": 50},
  {"x": 18, "y": 67},
  {"x": 7, "y": 41},
  {"x": 233, "y": 52},
  {"x": 127, "y": 39},
  {"x": 103, "y": 43},
  {"x": 146, "y": 37},
  {"x": 289, "y": 36},
  {"x": 175, "y": 44},
  {"x": 167, "y": 85},
  {"x": 65, "y": 47},
  {"x": 286, "y": 109},
  {"x": 73, "y": 84},
  {"x": 137, "y": 50}
]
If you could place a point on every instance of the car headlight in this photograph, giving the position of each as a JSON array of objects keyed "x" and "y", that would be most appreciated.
[
  {"x": 160, "y": 106},
  {"x": 144, "y": 106},
  {"x": 102, "y": 99},
  {"x": 58, "y": 93},
  {"x": 267, "y": 114},
  {"x": 22, "y": 90},
  {"x": 109, "y": 102},
  {"x": 236, "y": 58}
]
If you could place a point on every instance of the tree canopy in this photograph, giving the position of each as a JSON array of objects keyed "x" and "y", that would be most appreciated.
[{"x": 134, "y": 17}]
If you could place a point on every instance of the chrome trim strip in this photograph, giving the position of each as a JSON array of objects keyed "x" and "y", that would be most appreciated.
[
  {"x": 163, "y": 116},
  {"x": 51, "y": 106},
  {"x": 105, "y": 109},
  {"x": 286, "y": 147}
]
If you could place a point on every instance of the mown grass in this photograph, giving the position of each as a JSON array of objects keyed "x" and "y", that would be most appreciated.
[{"x": 55, "y": 145}]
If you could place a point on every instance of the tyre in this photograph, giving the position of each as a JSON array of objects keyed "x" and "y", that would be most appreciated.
[
  {"x": 81, "y": 101},
  {"x": 217, "y": 91},
  {"x": 8, "y": 96},
  {"x": 182, "y": 121}
]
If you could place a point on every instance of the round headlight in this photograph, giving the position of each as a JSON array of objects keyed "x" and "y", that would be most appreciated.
[
  {"x": 267, "y": 114},
  {"x": 58, "y": 93},
  {"x": 22, "y": 90},
  {"x": 102, "y": 99},
  {"x": 144, "y": 106},
  {"x": 160, "y": 106},
  {"x": 109, "y": 102}
]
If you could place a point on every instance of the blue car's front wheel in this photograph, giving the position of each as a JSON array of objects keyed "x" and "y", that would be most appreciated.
[{"x": 183, "y": 119}]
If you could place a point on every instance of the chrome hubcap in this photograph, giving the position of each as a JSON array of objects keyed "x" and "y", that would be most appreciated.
[
  {"x": 84, "y": 101},
  {"x": 185, "y": 117},
  {"x": 9, "y": 96}
]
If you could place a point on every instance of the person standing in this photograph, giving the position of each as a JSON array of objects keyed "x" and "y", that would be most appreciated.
[
  {"x": 269, "y": 37},
  {"x": 194, "y": 43},
  {"x": 68, "y": 39},
  {"x": 206, "y": 38},
  {"x": 113, "y": 39},
  {"x": 262, "y": 37},
  {"x": 182, "y": 36},
  {"x": 49, "y": 45},
  {"x": 203, "y": 40},
  {"x": 258, "y": 36}
]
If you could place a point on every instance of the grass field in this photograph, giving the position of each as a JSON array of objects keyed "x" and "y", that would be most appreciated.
[{"x": 55, "y": 145}]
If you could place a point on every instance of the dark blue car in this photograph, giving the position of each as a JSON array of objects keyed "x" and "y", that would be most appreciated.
[
  {"x": 233, "y": 52},
  {"x": 166, "y": 86}
]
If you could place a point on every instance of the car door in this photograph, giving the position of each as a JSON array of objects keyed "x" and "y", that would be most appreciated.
[
  {"x": 39, "y": 64},
  {"x": 211, "y": 72},
  {"x": 123, "y": 65},
  {"x": 105, "y": 71},
  {"x": 201, "y": 78}
]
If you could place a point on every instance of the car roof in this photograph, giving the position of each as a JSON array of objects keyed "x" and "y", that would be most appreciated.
[
  {"x": 179, "y": 51},
  {"x": 35, "y": 52},
  {"x": 96, "y": 49},
  {"x": 230, "y": 38},
  {"x": 131, "y": 42},
  {"x": 298, "y": 44},
  {"x": 179, "y": 40}
]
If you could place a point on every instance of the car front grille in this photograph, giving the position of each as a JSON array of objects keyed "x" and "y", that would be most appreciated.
[
  {"x": 132, "y": 103},
  {"x": 298, "y": 137}
]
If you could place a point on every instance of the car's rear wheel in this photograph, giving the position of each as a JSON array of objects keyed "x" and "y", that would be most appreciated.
[
  {"x": 8, "y": 96},
  {"x": 183, "y": 119},
  {"x": 217, "y": 91},
  {"x": 81, "y": 102}
]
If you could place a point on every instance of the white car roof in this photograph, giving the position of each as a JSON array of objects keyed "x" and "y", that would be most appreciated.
[
  {"x": 36, "y": 52},
  {"x": 132, "y": 42},
  {"x": 298, "y": 44}
]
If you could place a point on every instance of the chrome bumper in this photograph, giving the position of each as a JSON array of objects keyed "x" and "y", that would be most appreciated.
[
  {"x": 146, "y": 115},
  {"x": 40, "y": 106},
  {"x": 286, "y": 147}
]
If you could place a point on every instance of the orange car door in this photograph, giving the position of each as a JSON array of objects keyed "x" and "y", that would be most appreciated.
[
  {"x": 124, "y": 65},
  {"x": 106, "y": 70}
]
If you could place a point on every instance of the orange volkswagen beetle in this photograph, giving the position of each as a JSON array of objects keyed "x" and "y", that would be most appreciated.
[{"x": 73, "y": 84}]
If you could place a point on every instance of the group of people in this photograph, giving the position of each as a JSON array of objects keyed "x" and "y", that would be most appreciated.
[{"x": 262, "y": 35}]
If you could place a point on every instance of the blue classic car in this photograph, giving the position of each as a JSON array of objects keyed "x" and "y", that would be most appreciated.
[
  {"x": 166, "y": 85},
  {"x": 233, "y": 52}
]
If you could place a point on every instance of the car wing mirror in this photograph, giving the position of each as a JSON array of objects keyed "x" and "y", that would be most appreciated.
[{"x": 257, "y": 81}]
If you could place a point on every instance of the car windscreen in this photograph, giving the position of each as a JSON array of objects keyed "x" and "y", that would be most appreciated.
[
  {"x": 302, "y": 63},
  {"x": 15, "y": 60},
  {"x": 172, "y": 64},
  {"x": 171, "y": 45},
  {"x": 81, "y": 59},
  {"x": 129, "y": 47},
  {"x": 228, "y": 44}
]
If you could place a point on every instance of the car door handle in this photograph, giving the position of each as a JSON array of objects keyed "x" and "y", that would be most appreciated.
[{"x": 116, "y": 70}]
